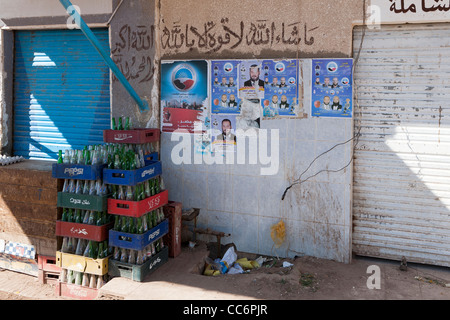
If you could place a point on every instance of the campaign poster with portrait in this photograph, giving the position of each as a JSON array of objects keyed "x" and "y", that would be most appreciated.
[
  {"x": 280, "y": 87},
  {"x": 224, "y": 86},
  {"x": 251, "y": 81},
  {"x": 223, "y": 132},
  {"x": 332, "y": 88},
  {"x": 184, "y": 93}
]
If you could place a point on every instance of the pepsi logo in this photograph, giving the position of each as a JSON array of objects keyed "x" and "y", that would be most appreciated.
[
  {"x": 228, "y": 67},
  {"x": 184, "y": 77},
  {"x": 332, "y": 67},
  {"x": 280, "y": 67}
]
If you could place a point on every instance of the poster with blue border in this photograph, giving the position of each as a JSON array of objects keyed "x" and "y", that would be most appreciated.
[
  {"x": 224, "y": 87},
  {"x": 332, "y": 88},
  {"x": 184, "y": 93},
  {"x": 280, "y": 87}
]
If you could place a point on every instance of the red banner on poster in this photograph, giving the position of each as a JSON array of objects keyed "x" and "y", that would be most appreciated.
[{"x": 180, "y": 119}]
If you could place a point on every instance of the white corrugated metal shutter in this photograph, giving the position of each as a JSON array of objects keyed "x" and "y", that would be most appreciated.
[{"x": 401, "y": 199}]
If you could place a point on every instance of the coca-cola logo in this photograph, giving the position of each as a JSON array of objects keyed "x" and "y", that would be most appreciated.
[
  {"x": 77, "y": 292},
  {"x": 122, "y": 136}
]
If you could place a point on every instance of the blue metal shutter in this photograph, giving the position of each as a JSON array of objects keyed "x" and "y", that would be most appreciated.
[{"x": 61, "y": 92}]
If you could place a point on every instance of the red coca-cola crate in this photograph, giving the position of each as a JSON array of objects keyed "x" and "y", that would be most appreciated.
[
  {"x": 137, "y": 208},
  {"x": 172, "y": 239},
  {"x": 83, "y": 231},
  {"x": 137, "y": 136},
  {"x": 74, "y": 291}
]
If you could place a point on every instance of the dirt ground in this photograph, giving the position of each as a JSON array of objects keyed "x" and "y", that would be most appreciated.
[{"x": 307, "y": 279}]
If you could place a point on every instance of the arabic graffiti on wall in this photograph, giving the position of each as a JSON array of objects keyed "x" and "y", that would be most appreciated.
[
  {"x": 213, "y": 36},
  {"x": 405, "y": 6},
  {"x": 133, "y": 54}
]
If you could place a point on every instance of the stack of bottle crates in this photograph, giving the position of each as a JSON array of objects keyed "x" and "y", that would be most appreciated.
[
  {"x": 133, "y": 174},
  {"x": 83, "y": 222}
]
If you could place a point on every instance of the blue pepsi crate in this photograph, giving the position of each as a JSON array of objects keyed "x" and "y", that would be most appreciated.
[
  {"x": 151, "y": 157},
  {"x": 77, "y": 171},
  {"x": 138, "y": 241},
  {"x": 132, "y": 177}
]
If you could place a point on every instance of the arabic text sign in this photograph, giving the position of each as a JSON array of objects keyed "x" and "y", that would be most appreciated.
[{"x": 398, "y": 11}]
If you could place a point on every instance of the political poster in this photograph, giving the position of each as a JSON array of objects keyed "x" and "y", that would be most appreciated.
[
  {"x": 332, "y": 88},
  {"x": 251, "y": 83},
  {"x": 280, "y": 88},
  {"x": 224, "y": 86},
  {"x": 184, "y": 93},
  {"x": 223, "y": 134}
]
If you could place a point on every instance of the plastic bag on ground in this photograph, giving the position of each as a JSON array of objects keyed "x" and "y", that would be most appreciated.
[{"x": 235, "y": 269}]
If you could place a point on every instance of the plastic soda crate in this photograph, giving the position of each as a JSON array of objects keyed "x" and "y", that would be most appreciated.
[
  {"x": 132, "y": 177},
  {"x": 137, "y": 208},
  {"x": 135, "y": 136},
  {"x": 137, "y": 272},
  {"x": 138, "y": 241},
  {"x": 77, "y": 171}
]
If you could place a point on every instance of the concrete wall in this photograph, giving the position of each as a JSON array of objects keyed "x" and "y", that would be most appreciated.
[
  {"x": 134, "y": 50},
  {"x": 6, "y": 90},
  {"x": 236, "y": 198}
]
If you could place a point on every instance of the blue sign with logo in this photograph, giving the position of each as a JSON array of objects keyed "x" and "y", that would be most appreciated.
[
  {"x": 280, "y": 87},
  {"x": 332, "y": 88},
  {"x": 224, "y": 87},
  {"x": 184, "y": 90}
]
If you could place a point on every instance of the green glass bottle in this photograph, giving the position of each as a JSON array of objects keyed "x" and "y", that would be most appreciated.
[
  {"x": 60, "y": 159},
  {"x": 70, "y": 215},
  {"x": 114, "y": 127},
  {"x": 120, "y": 126},
  {"x": 127, "y": 123},
  {"x": 117, "y": 223},
  {"x": 64, "y": 214},
  {"x": 77, "y": 216},
  {"x": 124, "y": 224}
]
